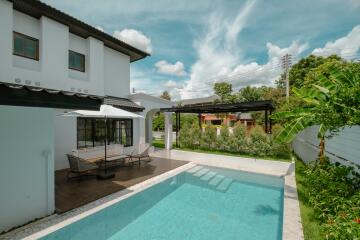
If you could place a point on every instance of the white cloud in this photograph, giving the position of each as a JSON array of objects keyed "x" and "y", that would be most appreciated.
[
  {"x": 135, "y": 38},
  {"x": 219, "y": 57},
  {"x": 346, "y": 47},
  {"x": 171, "y": 84},
  {"x": 176, "y": 69}
]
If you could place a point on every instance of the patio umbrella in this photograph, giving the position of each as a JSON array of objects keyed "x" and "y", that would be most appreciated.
[{"x": 106, "y": 112}]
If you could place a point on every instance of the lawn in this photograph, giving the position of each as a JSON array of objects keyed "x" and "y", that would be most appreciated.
[{"x": 311, "y": 225}]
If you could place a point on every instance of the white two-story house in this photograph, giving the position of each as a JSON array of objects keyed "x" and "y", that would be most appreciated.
[{"x": 50, "y": 63}]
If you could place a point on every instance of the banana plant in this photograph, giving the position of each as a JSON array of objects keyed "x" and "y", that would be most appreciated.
[{"x": 332, "y": 103}]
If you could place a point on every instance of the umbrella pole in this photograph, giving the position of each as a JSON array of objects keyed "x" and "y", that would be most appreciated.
[
  {"x": 105, "y": 144},
  {"x": 106, "y": 174}
]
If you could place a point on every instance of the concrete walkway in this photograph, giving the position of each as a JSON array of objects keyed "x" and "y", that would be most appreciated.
[{"x": 270, "y": 167}]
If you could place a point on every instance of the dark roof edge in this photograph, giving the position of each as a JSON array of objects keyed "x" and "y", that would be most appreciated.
[{"x": 37, "y": 9}]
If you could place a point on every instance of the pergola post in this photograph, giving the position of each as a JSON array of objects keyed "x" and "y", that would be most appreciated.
[
  {"x": 266, "y": 120},
  {"x": 176, "y": 128}
]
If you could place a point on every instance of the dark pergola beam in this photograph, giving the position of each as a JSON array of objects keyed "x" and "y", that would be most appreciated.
[{"x": 265, "y": 105}]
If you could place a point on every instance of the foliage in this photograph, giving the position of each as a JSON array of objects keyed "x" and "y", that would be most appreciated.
[
  {"x": 311, "y": 225},
  {"x": 166, "y": 95},
  {"x": 257, "y": 143},
  {"x": 159, "y": 121},
  {"x": 238, "y": 142},
  {"x": 333, "y": 191},
  {"x": 208, "y": 137},
  {"x": 299, "y": 71},
  {"x": 223, "y": 140},
  {"x": 333, "y": 102},
  {"x": 224, "y": 91},
  {"x": 279, "y": 150},
  {"x": 189, "y": 136},
  {"x": 249, "y": 94}
]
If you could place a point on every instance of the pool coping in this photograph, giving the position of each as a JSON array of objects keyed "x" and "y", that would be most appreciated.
[{"x": 292, "y": 227}]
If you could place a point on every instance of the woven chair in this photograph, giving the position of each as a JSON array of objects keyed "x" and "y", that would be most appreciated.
[
  {"x": 80, "y": 167},
  {"x": 141, "y": 154}
]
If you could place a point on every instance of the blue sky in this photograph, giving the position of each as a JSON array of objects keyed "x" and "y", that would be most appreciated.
[{"x": 196, "y": 43}]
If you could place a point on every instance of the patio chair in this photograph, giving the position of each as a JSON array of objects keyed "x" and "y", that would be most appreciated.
[
  {"x": 80, "y": 167},
  {"x": 141, "y": 154}
]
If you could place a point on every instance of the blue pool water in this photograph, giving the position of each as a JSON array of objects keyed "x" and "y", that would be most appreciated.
[{"x": 202, "y": 203}]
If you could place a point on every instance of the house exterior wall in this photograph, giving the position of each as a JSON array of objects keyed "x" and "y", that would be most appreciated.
[
  {"x": 107, "y": 72},
  {"x": 343, "y": 148},
  {"x": 27, "y": 165}
]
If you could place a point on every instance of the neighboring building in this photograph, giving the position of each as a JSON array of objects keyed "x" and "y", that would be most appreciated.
[
  {"x": 228, "y": 119},
  {"x": 218, "y": 119},
  {"x": 50, "y": 63}
]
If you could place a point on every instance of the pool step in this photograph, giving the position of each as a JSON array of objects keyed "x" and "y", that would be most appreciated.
[
  {"x": 216, "y": 180},
  {"x": 194, "y": 169},
  {"x": 208, "y": 176},
  {"x": 201, "y": 172},
  {"x": 225, "y": 184}
]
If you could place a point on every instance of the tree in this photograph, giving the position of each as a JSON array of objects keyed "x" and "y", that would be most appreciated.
[
  {"x": 224, "y": 91},
  {"x": 249, "y": 94},
  {"x": 166, "y": 95},
  {"x": 332, "y": 101},
  {"x": 299, "y": 70}
]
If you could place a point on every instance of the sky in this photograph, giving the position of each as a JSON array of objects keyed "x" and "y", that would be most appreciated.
[{"x": 194, "y": 44}]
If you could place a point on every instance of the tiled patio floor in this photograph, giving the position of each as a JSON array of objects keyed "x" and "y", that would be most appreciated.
[{"x": 72, "y": 194}]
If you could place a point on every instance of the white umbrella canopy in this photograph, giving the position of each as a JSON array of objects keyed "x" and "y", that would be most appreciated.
[{"x": 106, "y": 111}]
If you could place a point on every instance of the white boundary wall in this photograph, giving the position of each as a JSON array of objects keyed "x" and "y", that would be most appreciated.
[{"x": 343, "y": 148}]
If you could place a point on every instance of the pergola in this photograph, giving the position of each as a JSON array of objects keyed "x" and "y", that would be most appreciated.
[{"x": 200, "y": 108}]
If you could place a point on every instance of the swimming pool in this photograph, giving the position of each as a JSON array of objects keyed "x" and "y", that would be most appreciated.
[{"x": 201, "y": 203}]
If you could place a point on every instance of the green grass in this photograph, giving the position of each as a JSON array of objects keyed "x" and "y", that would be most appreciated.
[
  {"x": 310, "y": 224},
  {"x": 158, "y": 143}
]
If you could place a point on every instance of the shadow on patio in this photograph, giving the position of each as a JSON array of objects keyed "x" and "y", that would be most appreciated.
[{"x": 72, "y": 194}]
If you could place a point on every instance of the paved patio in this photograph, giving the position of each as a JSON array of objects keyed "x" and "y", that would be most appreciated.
[{"x": 72, "y": 194}]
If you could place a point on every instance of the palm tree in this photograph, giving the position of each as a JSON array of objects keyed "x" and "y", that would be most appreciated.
[{"x": 332, "y": 103}]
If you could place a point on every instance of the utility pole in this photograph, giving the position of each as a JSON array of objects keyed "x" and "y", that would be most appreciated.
[{"x": 286, "y": 64}]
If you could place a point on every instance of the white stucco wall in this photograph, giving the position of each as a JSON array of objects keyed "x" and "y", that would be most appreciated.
[
  {"x": 65, "y": 138},
  {"x": 107, "y": 72},
  {"x": 117, "y": 73},
  {"x": 27, "y": 164},
  {"x": 152, "y": 105}
]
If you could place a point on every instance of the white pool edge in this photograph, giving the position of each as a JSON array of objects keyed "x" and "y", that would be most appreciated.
[{"x": 292, "y": 226}]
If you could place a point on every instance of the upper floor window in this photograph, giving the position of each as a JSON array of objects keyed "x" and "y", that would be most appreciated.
[
  {"x": 25, "y": 46},
  {"x": 76, "y": 61}
]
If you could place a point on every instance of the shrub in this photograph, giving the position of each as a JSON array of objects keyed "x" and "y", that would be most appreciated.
[
  {"x": 237, "y": 141},
  {"x": 223, "y": 140},
  {"x": 279, "y": 150},
  {"x": 189, "y": 136},
  {"x": 208, "y": 137},
  {"x": 335, "y": 197},
  {"x": 259, "y": 144}
]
